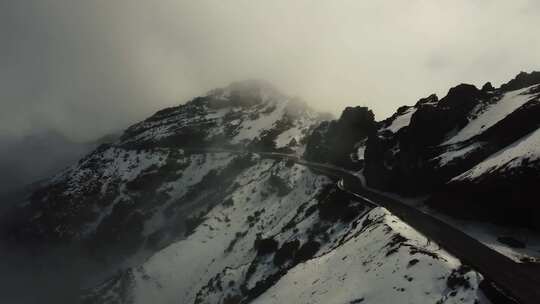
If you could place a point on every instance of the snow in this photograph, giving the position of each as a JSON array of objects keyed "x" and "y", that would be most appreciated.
[
  {"x": 180, "y": 270},
  {"x": 250, "y": 129},
  {"x": 401, "y": 121},
  {"x": 218, "y": 113},
  {"x": 285, "y": 138},
  {"x": 361, "y": 151},
  {"x": 451, "y": 155},
  {"x": 518, "y": 154},
  {"x": 362, "y": 270},
  {"x": 487, "y": 117},
  {"x": 199, "y": 166},
  {"x": 365, "y": 264},
  {"x": 259, "y": 111},
  {"x": 297, "y": 132}
]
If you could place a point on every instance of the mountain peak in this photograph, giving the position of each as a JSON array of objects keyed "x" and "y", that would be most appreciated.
[
  {"x": 433, "y": 98},
  {"x": 250, "y": 113},
  {"x": 252, "y": 90}
]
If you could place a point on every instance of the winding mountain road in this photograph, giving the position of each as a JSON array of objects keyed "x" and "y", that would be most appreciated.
[
  {"x": 507, "y": 280},
  {"x": 519, "y": 281}
]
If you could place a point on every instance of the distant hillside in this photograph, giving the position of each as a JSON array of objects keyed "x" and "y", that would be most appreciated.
[{"x": 27, "y": 160}]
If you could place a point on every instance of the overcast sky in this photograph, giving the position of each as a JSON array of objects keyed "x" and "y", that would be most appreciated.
[{"x": 90, "y": 67}]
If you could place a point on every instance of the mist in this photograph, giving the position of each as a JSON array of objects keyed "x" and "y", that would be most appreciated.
[{"x": 86, "y": 68}]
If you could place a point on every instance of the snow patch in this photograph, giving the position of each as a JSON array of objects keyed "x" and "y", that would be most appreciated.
[
  {"x": 486, "y": 117},
  {"x": 518, "y": 154},
  {"x": 401, "y": 121},
  {"x": 451, "y": 155}
]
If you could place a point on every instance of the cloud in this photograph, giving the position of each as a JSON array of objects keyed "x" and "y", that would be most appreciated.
[{"x": 89, "y": 67}]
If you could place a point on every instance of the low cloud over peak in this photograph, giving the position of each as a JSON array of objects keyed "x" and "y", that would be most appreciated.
[{"x": 86, "y": 68}]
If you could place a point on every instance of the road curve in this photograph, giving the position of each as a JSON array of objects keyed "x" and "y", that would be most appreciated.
[
  {"x": 516, "y": 280},
  {"x": 520, "y": 282}
]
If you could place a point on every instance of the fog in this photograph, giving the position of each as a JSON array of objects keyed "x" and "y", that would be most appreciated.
[{"x": 86, "y": 68}]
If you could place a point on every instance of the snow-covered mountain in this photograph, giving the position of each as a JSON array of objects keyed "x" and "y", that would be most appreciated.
[
  {"x": 132, "y": 188},
  {"x": 188, "y": 208},
  {"x": 283, "y": 252},
  {"x": 245, "y": 115},
  {"x": 474, "y": 150}
]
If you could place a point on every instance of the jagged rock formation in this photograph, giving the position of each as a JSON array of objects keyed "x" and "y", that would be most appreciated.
[
  {"x": 475, "y": 150},
  {"x": 335, "y": 141},
  {"x": 428, "y": 148}
]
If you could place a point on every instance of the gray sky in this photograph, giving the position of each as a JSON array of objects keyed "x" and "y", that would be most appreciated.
[{"x": 89, "y": 67}]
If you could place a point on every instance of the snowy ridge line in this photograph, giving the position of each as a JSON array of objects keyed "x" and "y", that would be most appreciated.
[{"x": 363, "y": 258}]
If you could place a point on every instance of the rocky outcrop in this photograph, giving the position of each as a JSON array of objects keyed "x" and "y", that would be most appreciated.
[
  {"x": 334, "y": 141},
  {"x": 522, "y": 80}
]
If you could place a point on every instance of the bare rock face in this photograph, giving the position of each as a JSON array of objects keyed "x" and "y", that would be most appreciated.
[
  {"x": 333, "y": 142},
  {"x": 487, "y": 87},
  {"x": 522, "y": 80}
]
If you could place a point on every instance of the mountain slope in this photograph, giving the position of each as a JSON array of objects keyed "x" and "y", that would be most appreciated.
[
  {"x": 286, "y": 252},
  {"x": 145, "y": 173}
]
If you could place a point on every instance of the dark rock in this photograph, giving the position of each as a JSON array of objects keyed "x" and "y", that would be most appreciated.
[
  {"x": 279, "y": 185},
  {"x": 266, "y": 246},
  {"x": 232, "y": 299},
  {"x": 430, "y": 123},
  {"x": 286, "y": 252},
  {"x": 487, "y": 87},
  {"x": 522, "y": 80},
  {"x": 495, "y": 294},
  {"x": 510, "y": 241},
  {"x": 333, "y": 142},
  {"x": 335, "y": 204},
  {"x": 402, "y": 162},
  {"x": 307, "y": 251},
  {"x": 457, "y": 278},
  {"x": 430, "y": 99},
  {"x": 412, "y": 262}
]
